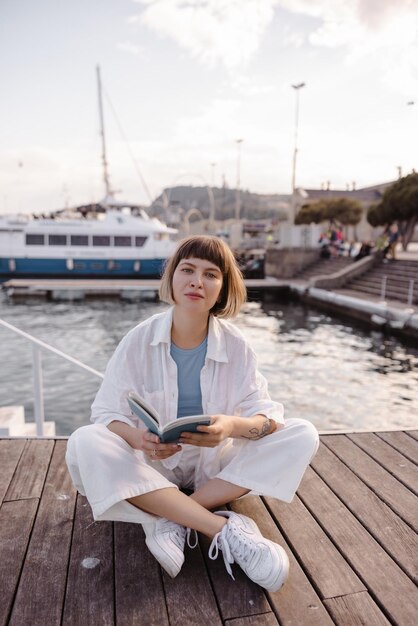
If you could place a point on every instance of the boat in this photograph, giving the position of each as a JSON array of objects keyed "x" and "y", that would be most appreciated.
[
  {"x": 123, "y": 242},
  {"x": 105, "y": 239}
]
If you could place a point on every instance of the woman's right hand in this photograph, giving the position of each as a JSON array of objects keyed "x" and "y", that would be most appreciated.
[
  {"x": 153, "y": 449},
  {"x": 145, "y": 441}
]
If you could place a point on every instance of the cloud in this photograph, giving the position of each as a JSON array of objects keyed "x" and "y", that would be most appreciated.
[
  {"x": 213, "y": 31},
  {"x": 230, "y": 32},
  {"x": 128, "y": 46},
  {"x": 363, "y": 26}
]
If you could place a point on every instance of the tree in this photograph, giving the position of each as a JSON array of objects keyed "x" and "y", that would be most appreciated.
[
  {"x": 311, "y": 213},
  {"x": 398, "y": 204},
  {"x": 343, "y": 210}
]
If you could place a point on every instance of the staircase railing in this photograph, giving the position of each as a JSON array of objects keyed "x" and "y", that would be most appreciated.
[
  {"x": 37, "y": 347},
  {"x": 410, "y": 298}
]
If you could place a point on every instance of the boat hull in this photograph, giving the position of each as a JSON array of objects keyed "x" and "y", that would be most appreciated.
[{"x": 83, "y": 267}]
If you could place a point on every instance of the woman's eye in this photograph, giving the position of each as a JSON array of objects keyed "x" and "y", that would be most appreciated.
[{"x": 211, "y": 275}]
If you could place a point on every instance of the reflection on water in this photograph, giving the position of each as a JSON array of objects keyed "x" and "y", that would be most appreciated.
[{"x": 325, "y": 370}]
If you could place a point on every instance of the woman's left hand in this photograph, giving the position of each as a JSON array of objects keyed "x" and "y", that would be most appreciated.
[{"x": 220, "y": 428}]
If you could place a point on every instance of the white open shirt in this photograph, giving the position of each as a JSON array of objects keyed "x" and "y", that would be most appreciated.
[{"x": 229, "y": 380}]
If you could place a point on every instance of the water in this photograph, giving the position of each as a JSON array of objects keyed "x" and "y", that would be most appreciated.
[{"x": 337, "y": 375}]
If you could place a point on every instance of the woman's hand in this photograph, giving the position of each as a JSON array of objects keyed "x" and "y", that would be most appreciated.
[
  {"x": 220, "y": 428},
  {"x": 144, "y": 440},
  {"x": 153, "y": 449}
]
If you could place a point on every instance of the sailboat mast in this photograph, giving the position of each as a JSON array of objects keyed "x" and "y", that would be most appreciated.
[{"x": 106, "y": 180}]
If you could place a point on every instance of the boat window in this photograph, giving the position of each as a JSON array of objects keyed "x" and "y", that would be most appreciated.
[
  {"x": 35, "y": 240},
  {"x": 101, "y": 240},
  {"x": 139, "y": 241},
  {"x": 122, "y": 241},
  {"x": 79, "y": 240},
  {"x": 57, "y": 240}
]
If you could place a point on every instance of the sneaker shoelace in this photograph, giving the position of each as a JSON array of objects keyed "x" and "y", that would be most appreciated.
[
  {"x": 178, "y": 533},
  {"x": 189, "y": 532},
  {"x": 219, "y": 542},
  {"x": 243, "y": 549}
]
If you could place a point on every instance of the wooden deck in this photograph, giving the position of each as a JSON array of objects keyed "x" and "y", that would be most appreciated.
[{"x": 350, "y": 534}]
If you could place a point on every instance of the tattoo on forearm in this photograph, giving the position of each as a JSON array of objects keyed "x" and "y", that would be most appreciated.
[{"x": 258, "y": 433}]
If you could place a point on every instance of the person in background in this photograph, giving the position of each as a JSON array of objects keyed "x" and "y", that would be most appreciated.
[
  {"x": 393, "y": 240},
  {"x": 187, "y": 360}
]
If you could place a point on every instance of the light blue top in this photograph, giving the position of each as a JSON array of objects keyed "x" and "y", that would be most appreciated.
[{"x": 189, "y": 364}]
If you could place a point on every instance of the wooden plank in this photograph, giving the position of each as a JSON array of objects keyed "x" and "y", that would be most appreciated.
[
  {"x": 89, "y": 599},
  {"x": 412, "y": 433},
  {"x": 139, "y": 592},
  {"x": 16, "y": 520},
  {"x": 392, "y": 460},
  {"x": 401, "y": 442},
  {"x": 265, "y": 619},
  {"x": 29, "y": 477},
  {"x": 391, "y": 531},
  {"x": 308, "y": 608},
  {"x": 390, "y": 490},
  {"x": 40, "y": 595},
  {"x": 235, "y": 598},
  {"x": 383, "y": 578},
  {"x": 356, "y": 609},
  {"x": 189, "y": 596},
  {"x": 321, "y": 559},
  {"x": 10, "y": 453}
]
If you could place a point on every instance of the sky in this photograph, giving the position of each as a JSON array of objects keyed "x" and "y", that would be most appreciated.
[{"x": 183, "y": 80}]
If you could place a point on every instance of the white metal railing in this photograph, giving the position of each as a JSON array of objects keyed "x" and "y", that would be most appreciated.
[
  {"x": 37, "y": 347},
  {"x": 411, "y": 292},
  {"x": 410, "y": 298}
]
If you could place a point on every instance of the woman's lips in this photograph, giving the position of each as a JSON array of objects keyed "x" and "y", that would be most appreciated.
[{"x": 194, "y": 296}]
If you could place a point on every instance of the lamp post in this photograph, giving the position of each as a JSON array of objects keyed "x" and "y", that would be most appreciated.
[
  {"x": 212, "y": 206},
  {"x": 297, "y": 88},
  {"x": 213, "y": 165},
  {"x": 237, "y": 193}
]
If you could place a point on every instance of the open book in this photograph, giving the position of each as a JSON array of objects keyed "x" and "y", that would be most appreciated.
[{"x": 171, "y": 431}]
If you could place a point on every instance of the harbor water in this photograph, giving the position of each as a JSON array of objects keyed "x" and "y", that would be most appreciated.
[{"x": 337, "y": 374}]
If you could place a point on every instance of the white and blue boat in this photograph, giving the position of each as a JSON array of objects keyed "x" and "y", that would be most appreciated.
[
  {"x": 103, "y": 240},
  {"x": 121, "y": 241}
]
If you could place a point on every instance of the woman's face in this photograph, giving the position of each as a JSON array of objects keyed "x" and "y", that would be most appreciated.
[{"x": 197, "y": 284}]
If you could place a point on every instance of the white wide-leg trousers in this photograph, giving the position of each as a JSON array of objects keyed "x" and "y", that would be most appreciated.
[{"x": 108, "y": 471}]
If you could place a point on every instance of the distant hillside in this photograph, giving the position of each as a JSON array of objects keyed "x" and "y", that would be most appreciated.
[{"x": 253, "y": 206}]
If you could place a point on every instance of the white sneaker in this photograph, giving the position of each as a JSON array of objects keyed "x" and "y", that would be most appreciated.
[
  {"x": 165, "y": 540},
  {"x": 240, "y": 540}
]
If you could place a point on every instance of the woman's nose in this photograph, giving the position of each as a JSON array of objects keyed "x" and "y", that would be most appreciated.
[{"x": 196, "y": 280}]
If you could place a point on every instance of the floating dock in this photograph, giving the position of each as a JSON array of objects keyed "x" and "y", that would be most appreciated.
[
  {"x": 350, "y": 534},
  {"x": 129, "y": 289}
]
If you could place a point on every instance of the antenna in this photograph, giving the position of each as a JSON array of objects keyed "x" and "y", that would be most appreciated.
[{"x": 109, "y": 192}]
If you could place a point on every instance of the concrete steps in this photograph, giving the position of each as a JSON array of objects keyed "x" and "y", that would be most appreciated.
[
  {"x": 12, "y": 423},
  {"x": 398, "y": 276},
  {"x": 324, "y": 267}
]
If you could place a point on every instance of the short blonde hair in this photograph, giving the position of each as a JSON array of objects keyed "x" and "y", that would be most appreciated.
[{"x": 213, "y": 249}]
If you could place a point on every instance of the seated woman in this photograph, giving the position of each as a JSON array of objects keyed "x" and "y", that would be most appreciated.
[{"x": 189, "y": 360}]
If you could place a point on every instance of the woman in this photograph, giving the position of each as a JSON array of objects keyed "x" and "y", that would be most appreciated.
[{"x": 187, "y": 361}]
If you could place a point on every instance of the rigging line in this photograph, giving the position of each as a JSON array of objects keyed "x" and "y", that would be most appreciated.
[{"x": 122, "y": 132}]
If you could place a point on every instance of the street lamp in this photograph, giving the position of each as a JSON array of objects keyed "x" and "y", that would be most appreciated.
[
  {"x": 213, "y": 165},
  {"x": 237, "y": 193},
  {"x": 297, "y": 88}
]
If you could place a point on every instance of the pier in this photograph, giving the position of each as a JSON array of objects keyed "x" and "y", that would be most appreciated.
[
  {"x": 350, "y": 534},
  {"x": 80, "y": 288}
]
